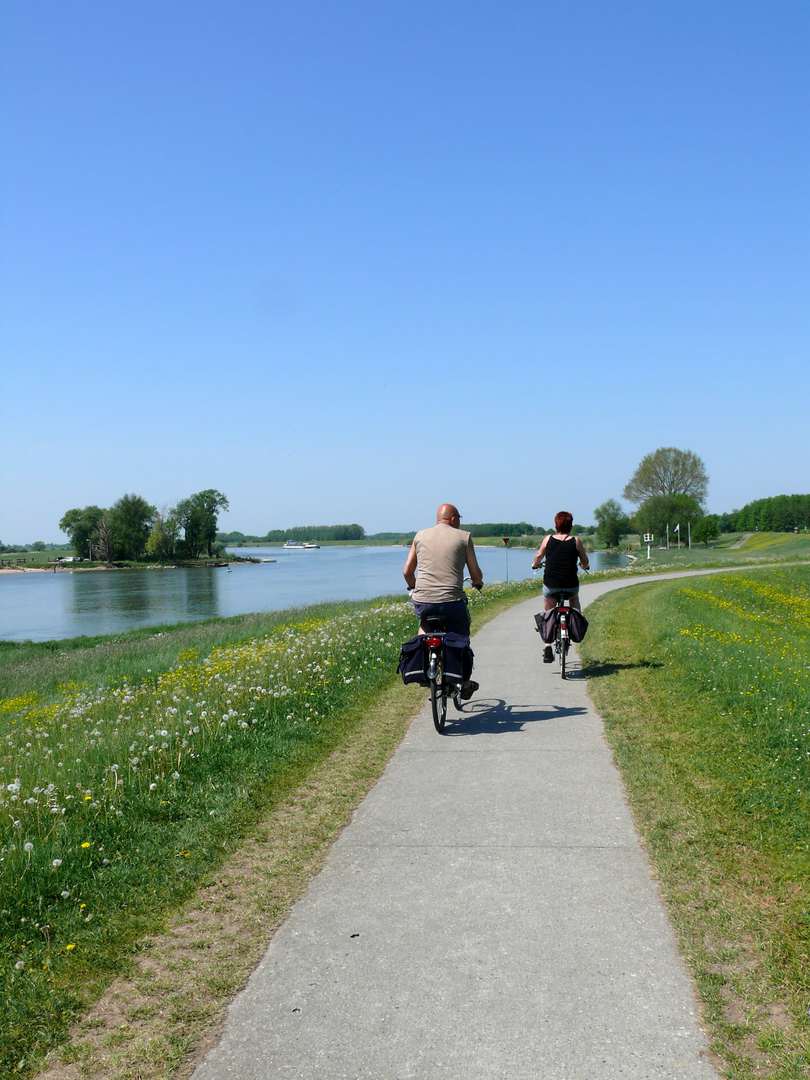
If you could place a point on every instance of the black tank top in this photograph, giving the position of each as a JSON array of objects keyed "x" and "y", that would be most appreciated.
[{"x": 561, "y": 564}]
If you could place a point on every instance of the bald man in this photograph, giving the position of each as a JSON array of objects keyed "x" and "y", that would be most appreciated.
[{"x": 434, "y": 570}]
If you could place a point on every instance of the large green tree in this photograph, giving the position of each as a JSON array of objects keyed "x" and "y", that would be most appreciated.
[
  {"x": 130, "y": 520},
  {"x": 197, "y": 517},
  {"x": 80, "y": 525},
  {"x": 668, "y": 471},
  {"x": 657, "y": 512},
  {"x": 705, "y": 529},
  {"x": 611, "y": 523}
]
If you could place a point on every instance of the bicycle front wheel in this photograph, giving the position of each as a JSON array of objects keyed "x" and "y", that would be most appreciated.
[{"x": 438, "y": 700}]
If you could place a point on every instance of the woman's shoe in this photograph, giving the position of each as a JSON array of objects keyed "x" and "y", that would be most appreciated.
[{"x": 548, "y": 655}]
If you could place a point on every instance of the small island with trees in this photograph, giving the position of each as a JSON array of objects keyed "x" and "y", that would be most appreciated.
[{"x": 135, "y": 531}]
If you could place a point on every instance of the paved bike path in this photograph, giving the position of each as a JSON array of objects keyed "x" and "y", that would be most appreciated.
[{"x": 488, "y": 912}]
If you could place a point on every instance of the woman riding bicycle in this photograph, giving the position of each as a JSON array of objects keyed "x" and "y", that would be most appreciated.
[{"x": 561, "y": 552}]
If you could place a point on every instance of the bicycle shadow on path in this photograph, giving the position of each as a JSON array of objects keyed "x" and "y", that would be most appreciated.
[{"x": 495, "y": 716}]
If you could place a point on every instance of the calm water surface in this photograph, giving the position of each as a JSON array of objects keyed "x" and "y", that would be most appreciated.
[{"x": 39, "y": 607}]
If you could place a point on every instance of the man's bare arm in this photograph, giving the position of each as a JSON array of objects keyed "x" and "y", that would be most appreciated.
[
  {"x": 539, "y": 554},
  {"x": 409, "y": 569},
  {"x": 583, "y": 555},
  {"x": 476, "y": 576}
]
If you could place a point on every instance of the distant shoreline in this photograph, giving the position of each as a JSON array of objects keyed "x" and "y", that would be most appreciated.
[{"x": 232, "y": 561}]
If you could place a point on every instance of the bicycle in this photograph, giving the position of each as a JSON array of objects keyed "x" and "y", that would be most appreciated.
[
  {"x": 562, "y": 637},
  {"x": 562, "y": 640},
  {"x": 440, "y": 686}
]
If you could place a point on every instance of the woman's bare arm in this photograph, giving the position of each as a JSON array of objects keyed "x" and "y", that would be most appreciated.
[
  {"x": 539, "y": 554},
  {"x": 583, "y": 554}
]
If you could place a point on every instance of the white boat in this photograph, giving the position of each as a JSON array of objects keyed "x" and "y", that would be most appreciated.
[
  {"x": 294, "y": 544},
  {"x": 310, "y": 545}
]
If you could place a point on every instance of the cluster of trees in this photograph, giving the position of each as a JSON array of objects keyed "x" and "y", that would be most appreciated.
[
  {"x": 779, "y": 513},
  {"x": 133, "y": 529},
  {"x": 297, "y": 532},
  {"x": 669, "y": 487},
  {"x": 318, "y": 532}
]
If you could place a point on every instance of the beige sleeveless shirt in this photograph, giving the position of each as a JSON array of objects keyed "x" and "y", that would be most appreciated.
[{"x": 441, "y": 555}]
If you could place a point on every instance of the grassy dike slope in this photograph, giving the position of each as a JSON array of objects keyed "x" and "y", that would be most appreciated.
[
  {"x": 208, "y": 764},
  {"x": 705, "y": 688}
]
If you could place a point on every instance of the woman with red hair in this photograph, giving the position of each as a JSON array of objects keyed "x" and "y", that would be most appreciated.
[{"x": 561, "y": 552}]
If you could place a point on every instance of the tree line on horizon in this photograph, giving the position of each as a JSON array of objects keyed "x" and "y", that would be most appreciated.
[
  {"x": 135, "y": 530},
  {"x": 514, "y": 529}
]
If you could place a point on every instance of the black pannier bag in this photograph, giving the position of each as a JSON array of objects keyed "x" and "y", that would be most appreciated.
[
  {"x": 546, "y": 622},
  {"x": 458, "y": 657},
  {"x": 412, "y": 662},
  {"x": 577, "y": 625}
]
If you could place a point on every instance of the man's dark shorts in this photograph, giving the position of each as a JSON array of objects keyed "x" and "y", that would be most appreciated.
[{"x": 454, "y": 612}]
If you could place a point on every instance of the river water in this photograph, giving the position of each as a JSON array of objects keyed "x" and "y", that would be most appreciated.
[{"x": 40, "y": 607}]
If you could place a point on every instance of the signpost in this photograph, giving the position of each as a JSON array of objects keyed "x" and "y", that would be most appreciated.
[
  {"x": 506, "y": 545},
  {"x": 648, "y": 539}
]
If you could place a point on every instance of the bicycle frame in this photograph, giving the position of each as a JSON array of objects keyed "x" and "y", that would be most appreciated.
[
  {"x": 440, "y": 688},
  {"x": 434, "y": 643},
  {"x": 562, "y": 639}
]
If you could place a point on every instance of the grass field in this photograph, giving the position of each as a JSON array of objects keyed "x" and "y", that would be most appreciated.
[
  {"x": 33, "y": 558},
  {"x": 132, "y": 766},
  {"x": 730, "y": 549},
  {"x": 776, "y": 543},
  {"x": 705, "y": 686}
]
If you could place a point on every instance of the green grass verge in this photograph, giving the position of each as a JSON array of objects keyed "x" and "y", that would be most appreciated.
[
  {"x": 121, "y": 788},
  {"x": 781, "y": 543},
  {"x": 705, "y": 689},
  {"x": 729, "y": 550}
]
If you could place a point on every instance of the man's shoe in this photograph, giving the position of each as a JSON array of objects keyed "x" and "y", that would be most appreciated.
[
  {"x": 468, "y": 688},
  {"x": 548, "y": 655}
]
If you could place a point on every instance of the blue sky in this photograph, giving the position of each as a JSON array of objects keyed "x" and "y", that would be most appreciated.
[{"x": 346, "y": 260}]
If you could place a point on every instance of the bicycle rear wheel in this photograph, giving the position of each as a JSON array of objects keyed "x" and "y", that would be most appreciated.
[
  {"x": 563, "y": 645},
  {"x": 438, "y": 700}
]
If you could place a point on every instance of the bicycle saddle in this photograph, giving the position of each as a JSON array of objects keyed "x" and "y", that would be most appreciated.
[{"x": 434, "y": 623}]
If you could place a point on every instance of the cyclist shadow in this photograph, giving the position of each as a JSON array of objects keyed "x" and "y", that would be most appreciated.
[
  {"x": 600, "y": 669},
  {"x": 483, "y": 717}
]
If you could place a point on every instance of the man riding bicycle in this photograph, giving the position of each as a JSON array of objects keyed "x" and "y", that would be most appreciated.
[
  {"x": 560, "y": 581},
  {"x": 434, "y": 571}
]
